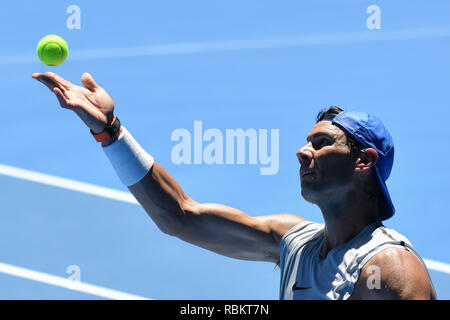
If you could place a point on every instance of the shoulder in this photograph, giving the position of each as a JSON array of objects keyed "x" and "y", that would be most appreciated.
[
  {"x": 394, "y": 273},
  {"x": 280, "y": 224}
]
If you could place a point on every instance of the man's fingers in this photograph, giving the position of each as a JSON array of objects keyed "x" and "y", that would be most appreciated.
[
  {"x": 47, "y": 82},
  {"x": 61, "y": 98},
  {"x": 58, "y": 79},
  {"x": 89, "y": 82}
]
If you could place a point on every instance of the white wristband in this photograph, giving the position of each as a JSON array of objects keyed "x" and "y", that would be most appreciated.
[{"x": 128, "y": 158}]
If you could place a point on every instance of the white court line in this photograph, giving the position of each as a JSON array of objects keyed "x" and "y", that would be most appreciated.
[
  {"x": 66, "y": 283},
  {"x": 437, "y": 266},
  {"x": 122, "y": 196},
  {"x": 67, "y": 184},
  {"x": 240, "y": 45}
]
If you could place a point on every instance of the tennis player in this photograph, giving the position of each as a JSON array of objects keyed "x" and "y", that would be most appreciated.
[{"x": 345, "y": 163}]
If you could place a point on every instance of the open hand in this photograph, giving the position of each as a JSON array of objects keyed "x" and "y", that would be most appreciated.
[{"x": 92, "y": 104}]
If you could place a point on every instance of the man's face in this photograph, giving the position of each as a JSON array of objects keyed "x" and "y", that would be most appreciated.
[{"x": 327, "y": 168}]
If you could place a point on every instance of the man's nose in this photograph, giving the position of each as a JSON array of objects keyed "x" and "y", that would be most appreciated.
[{"x": 304, "y": 154}]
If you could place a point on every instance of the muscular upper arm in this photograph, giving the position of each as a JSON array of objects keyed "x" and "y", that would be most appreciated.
[
  {"x": 230, "y": 232},
  {"x": 394, "y": 274}
]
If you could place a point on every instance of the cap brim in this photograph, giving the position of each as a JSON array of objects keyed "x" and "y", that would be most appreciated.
[{"x": 387, "y": 209}]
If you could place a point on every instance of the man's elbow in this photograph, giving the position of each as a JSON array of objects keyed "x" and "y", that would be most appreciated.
[
  {"x": 175, "y": 224},
  {"x": 169, "y": 230}
]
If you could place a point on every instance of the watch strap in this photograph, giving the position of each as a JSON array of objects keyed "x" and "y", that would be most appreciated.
[{"x": 110, "y": 131}]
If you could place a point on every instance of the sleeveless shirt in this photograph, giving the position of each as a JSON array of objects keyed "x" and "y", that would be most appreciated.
[{"x": 304, "y": 275}]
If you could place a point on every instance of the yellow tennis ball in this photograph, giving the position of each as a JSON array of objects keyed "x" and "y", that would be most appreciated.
[{"x": 52, "y": 50}]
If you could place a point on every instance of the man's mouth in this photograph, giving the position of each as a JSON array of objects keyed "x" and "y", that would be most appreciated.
[{"x": 305, "y": 172}]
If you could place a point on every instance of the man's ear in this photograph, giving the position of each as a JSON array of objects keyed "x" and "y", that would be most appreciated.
[{"x": 366, "y": 159}]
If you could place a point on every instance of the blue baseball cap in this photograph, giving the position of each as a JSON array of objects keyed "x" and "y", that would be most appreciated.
[{"x": 370, "y": 132}]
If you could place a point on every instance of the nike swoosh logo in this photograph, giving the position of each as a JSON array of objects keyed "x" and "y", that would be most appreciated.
[{"x": 294, "y": 287}]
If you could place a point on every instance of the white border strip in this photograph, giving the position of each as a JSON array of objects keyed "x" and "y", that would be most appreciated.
[
  {"x": 241, "y": 45},
  {"x": 66, "y": 283},
  {"x": 122, "y": 196}
]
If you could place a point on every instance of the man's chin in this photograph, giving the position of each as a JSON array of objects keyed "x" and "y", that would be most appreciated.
[{"x": 309, "y": 196}]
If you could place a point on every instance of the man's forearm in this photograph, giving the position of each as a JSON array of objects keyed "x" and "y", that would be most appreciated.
[
  {"x": 162, "y": 198},
  {"x": 153, "y": 187}
]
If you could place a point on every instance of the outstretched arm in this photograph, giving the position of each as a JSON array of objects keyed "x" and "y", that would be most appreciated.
[{"x": 215, "y": 227}]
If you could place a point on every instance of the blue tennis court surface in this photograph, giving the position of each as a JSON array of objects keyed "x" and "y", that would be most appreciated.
[{"x": 226, "y": 65}]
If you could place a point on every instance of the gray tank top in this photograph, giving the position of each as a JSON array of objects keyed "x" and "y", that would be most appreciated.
[{"x": 305, "y": 276}]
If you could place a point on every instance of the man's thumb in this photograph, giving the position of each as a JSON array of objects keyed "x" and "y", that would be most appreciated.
[{"x": 89, "y": 82}]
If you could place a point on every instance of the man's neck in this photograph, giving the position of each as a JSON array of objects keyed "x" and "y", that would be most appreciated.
[{"x": 346, "y": 218}]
